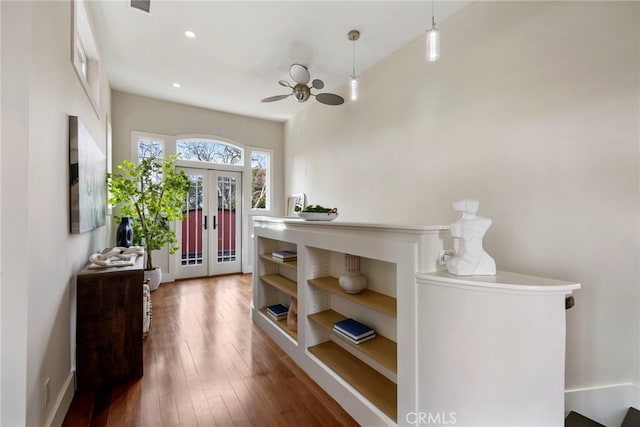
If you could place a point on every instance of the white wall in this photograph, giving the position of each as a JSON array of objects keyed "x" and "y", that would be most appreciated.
[
  {"x": 39, "y": 255},
  {"x": 139, "y": 113},
  {"x": 0, "y": 213},
  {"x": 533, "y": 109},
  {"x": 16, "y": 28}
]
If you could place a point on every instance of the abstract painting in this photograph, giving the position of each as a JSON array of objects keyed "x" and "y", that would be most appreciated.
[{"x": 87, "y": 176}]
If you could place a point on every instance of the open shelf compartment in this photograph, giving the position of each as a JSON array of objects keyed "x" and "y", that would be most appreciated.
[
  {"x": 368, "y": 298},
  {"x": 380, "y": 349},
  {"x": 290, "y": 264},
  {"x": 375, "y": 387},
  {"x": 282, "y": 283},
  {"x": 282, "y": 324}
]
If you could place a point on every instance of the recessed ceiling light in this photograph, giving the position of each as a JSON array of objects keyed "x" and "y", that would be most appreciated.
[
  {"x": 190, "y": 34},
  {"x": 177, "y": 85}
]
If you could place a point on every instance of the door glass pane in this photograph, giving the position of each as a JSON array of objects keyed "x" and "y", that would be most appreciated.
[
  {"x": 192, "y": 227},
  {"x": 226, "y": 219}
]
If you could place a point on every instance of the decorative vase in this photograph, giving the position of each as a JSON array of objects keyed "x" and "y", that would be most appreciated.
[
  {"x": 292, "y": 315},
  {"x": 352, "y": 282},
  {"x": 124, "y": 233}
]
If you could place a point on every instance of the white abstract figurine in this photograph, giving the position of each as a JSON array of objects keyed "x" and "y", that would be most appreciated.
[{"x": 470, "y": 258}]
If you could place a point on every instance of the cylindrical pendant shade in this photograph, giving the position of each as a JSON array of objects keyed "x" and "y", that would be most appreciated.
[
  {"x": 353, "y": 88},
  {"x": 433, "y": 44}
]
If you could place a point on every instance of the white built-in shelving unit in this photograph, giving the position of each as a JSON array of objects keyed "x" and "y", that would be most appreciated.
[
  {"x": 415, "y": 308},
  {"x": 363, "y": 378}
]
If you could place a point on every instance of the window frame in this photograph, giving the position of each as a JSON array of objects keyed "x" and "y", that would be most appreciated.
[
  {"x": 268, "y": 179},
  {"x": 188, "y": 163},
  {"x": 170, "y": 143},
  {"x": 85, "y": 54},
  {"x": 136, "y": 136}
]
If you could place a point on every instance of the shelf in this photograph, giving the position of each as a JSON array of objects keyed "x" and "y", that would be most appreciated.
[
  {"x": 285, "y": 285},
  {"x": 282, "y": 324},
  {"x": 380, "y": 349},
  {"x": 371, "y": 299},
  {"x": 381, "y": 391},
  {"x": 290, "y": 264}
]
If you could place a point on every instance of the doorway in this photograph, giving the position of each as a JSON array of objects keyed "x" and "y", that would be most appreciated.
[{"x": 209, "y": 236}]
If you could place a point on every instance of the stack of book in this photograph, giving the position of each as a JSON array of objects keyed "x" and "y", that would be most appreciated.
[
  {"x": 354, "y": 331},
  {"x": 278, "y": 311},
  {"x": 284, "y": 255}
]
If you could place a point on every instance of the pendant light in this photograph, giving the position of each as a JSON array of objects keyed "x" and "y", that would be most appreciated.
[
  {"x": 353, "y": 82},
  {"x": 433, "y": 37}
]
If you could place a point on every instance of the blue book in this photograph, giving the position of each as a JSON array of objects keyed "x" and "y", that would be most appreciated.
[
  {"x": 353, "y": 329},
  {"x": 278, "y": 310},
  {"x": 284, "y": 255},
  {"x": 348, "y": 338}
]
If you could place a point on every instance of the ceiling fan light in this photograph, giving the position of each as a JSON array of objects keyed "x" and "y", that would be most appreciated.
[
  {"x": 301, "y": 92},
  {"x": 353, "y": 88}
]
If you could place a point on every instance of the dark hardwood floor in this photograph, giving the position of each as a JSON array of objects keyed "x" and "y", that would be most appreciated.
[{"x": 206, "y": 364}]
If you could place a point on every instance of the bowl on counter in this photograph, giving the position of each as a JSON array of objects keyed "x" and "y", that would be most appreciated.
[{"x": 318, "y": 216}]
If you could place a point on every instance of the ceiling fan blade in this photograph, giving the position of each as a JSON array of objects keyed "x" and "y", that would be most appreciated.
[
  {"x": 317, "y": 83},
  {"x": 330, "y": 98},
  {"x": 299, "y": 73},
  {"x": 284, "y": 83},
  {"x": 143, "y": 5},
  {"x": 275, "y": 98}
]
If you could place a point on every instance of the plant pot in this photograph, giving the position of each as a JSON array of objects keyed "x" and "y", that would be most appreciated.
[{"x": 154, "y": 277}]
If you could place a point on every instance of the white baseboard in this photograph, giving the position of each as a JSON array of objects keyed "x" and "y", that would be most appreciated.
[
  {"x": 605, "y": 404},
  {"x": 62, "y": 403}
]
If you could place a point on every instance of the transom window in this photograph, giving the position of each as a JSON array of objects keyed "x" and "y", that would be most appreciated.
[
  {"x": 209, "y": 151},
  {"x": 150, "y": 148},
  {"x": 85, "y": 58}
]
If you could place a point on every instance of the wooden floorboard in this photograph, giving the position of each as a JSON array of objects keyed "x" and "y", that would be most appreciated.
[{"x": 206, "y": 364}]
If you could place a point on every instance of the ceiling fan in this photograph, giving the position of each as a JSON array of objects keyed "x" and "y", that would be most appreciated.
[{"x": 302, "y": 92}]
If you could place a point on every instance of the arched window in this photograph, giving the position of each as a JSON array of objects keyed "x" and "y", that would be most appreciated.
[{"x": 209, "y": 151}]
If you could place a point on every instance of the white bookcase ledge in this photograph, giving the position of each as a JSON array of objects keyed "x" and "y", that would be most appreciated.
[
  {"x": 502, "y": 281},
  {"x": 429, "y": 238}
]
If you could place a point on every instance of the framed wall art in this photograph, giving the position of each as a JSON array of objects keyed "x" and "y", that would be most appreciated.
[{"x": 87, "y": 180}]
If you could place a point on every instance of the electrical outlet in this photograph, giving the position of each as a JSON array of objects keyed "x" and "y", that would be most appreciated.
[
  {"x": 445, "y": 255},
  {"x": 47, "y": 392}
]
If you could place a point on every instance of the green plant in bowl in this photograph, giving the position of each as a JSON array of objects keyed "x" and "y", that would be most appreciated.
[{"x": 320, "y": 209}]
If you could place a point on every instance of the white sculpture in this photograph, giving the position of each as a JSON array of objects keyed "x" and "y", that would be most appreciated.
[{"x": 470, "y": 258}]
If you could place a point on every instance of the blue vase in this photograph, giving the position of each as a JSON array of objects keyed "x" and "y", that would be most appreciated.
[{"x": 124, "y": 233}]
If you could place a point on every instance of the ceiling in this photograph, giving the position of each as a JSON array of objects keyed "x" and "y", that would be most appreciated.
[{"x": 242, "y": 48}]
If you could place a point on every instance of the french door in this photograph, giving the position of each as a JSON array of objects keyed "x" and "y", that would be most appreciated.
[{"x": 210, "y": 233}]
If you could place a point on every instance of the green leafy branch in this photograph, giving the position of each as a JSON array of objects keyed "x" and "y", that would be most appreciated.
[{"x": 152, "y": 193}]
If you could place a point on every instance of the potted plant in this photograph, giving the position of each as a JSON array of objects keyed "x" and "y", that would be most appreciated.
[{"x": 152, "y": 194}]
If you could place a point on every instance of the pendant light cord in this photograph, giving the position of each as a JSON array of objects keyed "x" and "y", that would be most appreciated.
[
  {"x": 433, "y": 13},
  {"x": 353, "y": 70}
]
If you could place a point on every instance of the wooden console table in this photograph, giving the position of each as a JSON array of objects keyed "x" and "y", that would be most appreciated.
[{"x": 109, "y": 325}]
